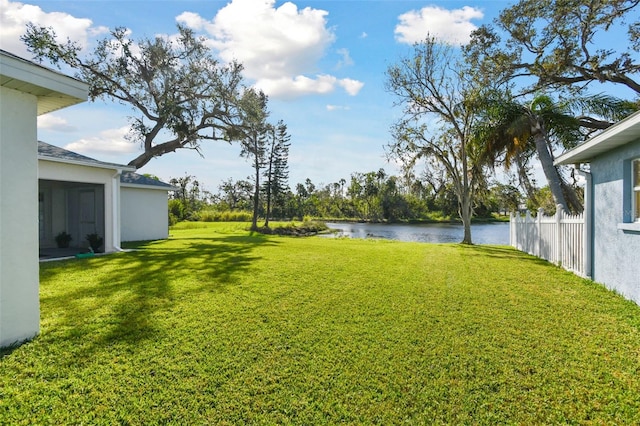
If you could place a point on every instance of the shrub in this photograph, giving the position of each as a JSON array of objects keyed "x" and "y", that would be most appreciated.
[
  {"x": 63, "y": 239},
  {"x": 177, "y": 210},
  {"x": 172, "y": 219},
  {"x": 223, "y": 216},
  {"x": 310, "y": 227},
  {"x": 95, "y": 241}
]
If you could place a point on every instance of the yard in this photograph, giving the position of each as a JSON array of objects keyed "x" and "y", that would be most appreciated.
[{"x": 217, "y": 326}]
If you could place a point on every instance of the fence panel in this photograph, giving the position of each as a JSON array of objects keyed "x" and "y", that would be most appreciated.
[{"x": 560, "y": 238}]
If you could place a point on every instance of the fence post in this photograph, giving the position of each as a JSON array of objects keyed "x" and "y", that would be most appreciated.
[
  {"x": 539, "y": 223},
  {"x": 559, "y": 239},
  {"x": 511, "y": 227},
  {"x": 528, "y": 232}
]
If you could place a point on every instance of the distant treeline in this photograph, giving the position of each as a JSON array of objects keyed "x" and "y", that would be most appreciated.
[{"x": 373, "y": 196}]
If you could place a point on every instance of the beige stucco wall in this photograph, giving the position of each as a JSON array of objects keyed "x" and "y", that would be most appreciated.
[
  {"x": 19, "y": 301},
  {"x": 52, "y": 170},
  {"x": 144, "y": 214}
]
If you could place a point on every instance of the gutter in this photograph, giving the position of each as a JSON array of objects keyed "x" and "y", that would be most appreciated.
[
  {"x": 588, "y": 221},
  {"x": 115, "y": 209},
  {"x": 154, "y": 187}
]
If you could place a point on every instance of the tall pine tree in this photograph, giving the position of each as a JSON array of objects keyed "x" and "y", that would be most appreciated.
[
  {"x": 277, "y": 169},
  {"x": 253, "y": 140}
]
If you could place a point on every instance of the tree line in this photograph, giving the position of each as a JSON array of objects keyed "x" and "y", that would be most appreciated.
[
  {"x": 516, "y": 95},
  {"x": 373, "y": 196}
]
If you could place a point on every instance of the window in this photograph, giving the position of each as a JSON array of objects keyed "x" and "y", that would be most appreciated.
[{"x": 635, "y": 183}]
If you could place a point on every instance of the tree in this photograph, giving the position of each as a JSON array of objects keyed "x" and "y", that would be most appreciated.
[
  {"x": 277, "y": 167},
  {"x": 394, "y": 206},
  {"x": 435, "y": 89},
  {"x": 502, "y": 198},
  {"x": 236, "y": 195},
  {"x": 253, "y": 139},
  {"x": 516, "y": 130},
  {"x": 179, "y": 93},
  {"x": 187, "y": 200},
  {"x": 556, "y": 43},
  {"x": 551, "y": 44}
]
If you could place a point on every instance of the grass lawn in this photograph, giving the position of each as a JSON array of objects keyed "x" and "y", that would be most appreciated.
[{"x": 216, "y": 326}]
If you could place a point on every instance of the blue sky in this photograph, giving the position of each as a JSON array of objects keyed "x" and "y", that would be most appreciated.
[{"x": 322, "y": 63}]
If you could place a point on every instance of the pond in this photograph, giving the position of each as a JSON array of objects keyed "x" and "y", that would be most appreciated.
[{"x": 481, "y": 233}]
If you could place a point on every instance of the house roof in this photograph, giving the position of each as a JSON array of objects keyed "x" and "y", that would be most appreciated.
[
  {"x": 53, "y": 153},
  {"x": 136, "y": 180},
  {"x": 127, "y": 178},
  {"x": 621, "y": 133},
  {"x": 54, "y": 90}
]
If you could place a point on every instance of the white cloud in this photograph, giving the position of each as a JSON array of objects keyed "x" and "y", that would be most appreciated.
[
  {"x": 352, "y": 87},
  {"x": 280, "y": 47},
  {"x": 194, "y": 21},
  {"x": 54, "y": 123},
  {"x": 346, "y": 60},
  {"x": 364, "y": 35},
  {"x": 111, "y": 142},
  {"x": 292, "y": 87},
  {"x": 337, "y": 108},
  {"x": 14, "y": 17},
  {"x": 452, "y": 26}
]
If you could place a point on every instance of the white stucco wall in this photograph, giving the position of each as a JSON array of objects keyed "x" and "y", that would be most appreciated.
[
  {"x": 53, "y": 170},
  {"x": 616, "y": 251},
  {"x": 19, "y": 301},
  {"x": 26, "y": 91},
  {"x": 144, "y": 213}
]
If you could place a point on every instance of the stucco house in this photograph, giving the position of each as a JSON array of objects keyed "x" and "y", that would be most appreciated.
[
  {"x": 80, "y": 195},
  {"x": 26, "y": 91},
  {"x": 46, "y": 190},
  {"x": 612, "y": 204},
  {"x": 144, "y": 213}
]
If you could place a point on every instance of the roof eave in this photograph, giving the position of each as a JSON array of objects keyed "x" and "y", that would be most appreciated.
[
  {"x": 621, "y": 133},
  {"x": 116, "y": 167},
  {"x": 142, "y": 186},
  {"x": 54, "y": 90}
]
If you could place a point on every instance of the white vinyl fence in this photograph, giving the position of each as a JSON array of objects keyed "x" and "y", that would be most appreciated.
[{"x": 560, "y": 239}]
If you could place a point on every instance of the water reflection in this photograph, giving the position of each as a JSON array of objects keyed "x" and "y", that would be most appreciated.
[{"x": 481, "y": 233}]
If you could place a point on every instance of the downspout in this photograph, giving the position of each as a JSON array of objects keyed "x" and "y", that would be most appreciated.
[
  {"x": 588, "y": 222},
  {"x": 115, "y": 210}
]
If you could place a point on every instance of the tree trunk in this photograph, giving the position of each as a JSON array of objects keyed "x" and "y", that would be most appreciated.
[
  {"x": 465, "y": 215},
  {"x": 466, "y": 208},
  {"x": 572, "y": 198},
  {"x": 256, "y": 197},
  {"x": 550, "y": 171},
  {"x": 268, "y": 211},
  {"x": 523, "y": 178},
  {"x": 155, "y": 151}
]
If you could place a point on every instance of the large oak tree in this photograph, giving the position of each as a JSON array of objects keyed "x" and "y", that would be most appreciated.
[
  {"x": 561, "y": 44},
  {"x": 179, "y": 93}
]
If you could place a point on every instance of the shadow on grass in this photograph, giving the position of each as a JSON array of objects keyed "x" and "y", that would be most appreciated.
[
  {"x": 502, "y": 252},
  {"x": 116, "y": 303}
]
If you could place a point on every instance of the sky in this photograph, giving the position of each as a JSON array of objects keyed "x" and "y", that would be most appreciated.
[{"x": 322, "y": 64}]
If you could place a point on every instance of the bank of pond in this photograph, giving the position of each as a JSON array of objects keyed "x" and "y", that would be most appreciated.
[{"x": 496, "y": 233}]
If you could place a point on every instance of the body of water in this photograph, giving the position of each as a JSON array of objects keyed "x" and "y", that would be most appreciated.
[{"x": 481, "y": 233}]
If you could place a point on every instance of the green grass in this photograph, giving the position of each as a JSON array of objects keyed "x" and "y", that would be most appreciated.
[{"x": 218, "y": 326}]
